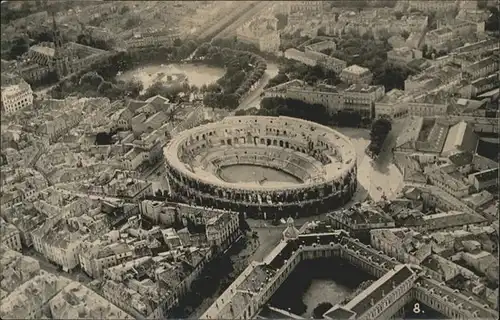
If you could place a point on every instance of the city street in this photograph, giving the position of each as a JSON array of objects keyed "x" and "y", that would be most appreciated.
[
  {"x": 254, "y": 98},
  {"x": 379, "y": 177},
  {"x": 48, "y": 266}
]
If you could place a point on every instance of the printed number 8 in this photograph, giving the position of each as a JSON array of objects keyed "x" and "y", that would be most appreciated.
[{"x": 416, "y": 308}]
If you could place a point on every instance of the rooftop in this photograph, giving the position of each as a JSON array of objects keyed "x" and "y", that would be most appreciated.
[
  {"x": 76, "y": 301},
  {"x": 358, "y": 70},
  {"x": 462, "y": 158},
  {"x": 16, "y": 269},
  {"x": 362, "y": 215},
  {"x": 383, "y": 286},
  {"x": 363, "y": 88},
  {"x": 29, "y": 298},
  {"x": 486, "y": 175}
]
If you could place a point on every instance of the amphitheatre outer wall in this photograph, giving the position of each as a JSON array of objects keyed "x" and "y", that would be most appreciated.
[{"x": 322, "y": 158}]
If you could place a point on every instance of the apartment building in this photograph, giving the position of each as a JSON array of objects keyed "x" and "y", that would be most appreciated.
[
  {"x": 362, "y": 98},
  {"x": 16, "y": 97},
  {"x": 10, "y": 235},
  {"x": 484, "y": 179},
  {"x": 402, "y": 56},
  {"x": 356, "y": 75},
  {"x": 329, "y": 96},
  {"x": 309, "y": 7},
  {"x": 428, "y": 6},
  {"x": 448, "y": 182},
  {"x": 300, "y": 56},
  {"x": 482, "y": 68},
  {"x": 439, "y": 38},
  {"x": 151, "y": 39},
  {"x": 399, "y": 109},
  {"x": 97, "y": 256},
  {"x": 261, "y": 32}
]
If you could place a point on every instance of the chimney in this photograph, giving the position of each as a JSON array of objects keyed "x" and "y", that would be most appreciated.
[
  {"x": 372, "y": 302},
  {"x": 393, "y": 284}
]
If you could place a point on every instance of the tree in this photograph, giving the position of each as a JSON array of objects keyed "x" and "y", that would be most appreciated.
[
  {"x": 92, "y": 79},
  {"x": 282, "y": 20},
  {"x": 294, "y": 108},
  {"x": 124, "y": 10},
  {"x": 321, "y": 309},
  {"x": 244, "y": 226},
  {"x": 280, "y": 78},
  {"x": 103, "y": 138},
  {"x": 132, "y": 88},
  {"x": 132, "y": 22},
  {"x": 177, "y": 42},
  {"x": 493, "y": 22},
  {"x": 379, "y": 132},
  {"x": 19, "y": 47},
  {"x": 391, "y": 77}
]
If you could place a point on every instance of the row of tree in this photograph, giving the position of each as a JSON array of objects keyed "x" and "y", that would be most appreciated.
[
  {"x": 243, "y": 70},
  {"x": 101, "y": 80},
  {"x": 92, "y": 84},
  {"x": 275, "y": 106},
  {"x": 366, "y": 52},
  {"x": 290, "y": 69},
  {"x": 379, "y": 132}
]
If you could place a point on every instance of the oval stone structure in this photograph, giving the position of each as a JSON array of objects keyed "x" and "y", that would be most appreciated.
[{"x": 322, "y": 161}]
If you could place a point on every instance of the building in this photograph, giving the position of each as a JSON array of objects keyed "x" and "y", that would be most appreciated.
[
  {"x": 329, "y": 96},
  {"x": 158, "y": 212},
  {"x": 26, "y": 218},
  {"x": 479, "y": 86},
  {"x": 402, "y": 56},
  {"x": 60, "y": 240},
  {"x": 432, "y": 5},
  {"x": 95, "y": 257},
  {"x": 356, "y": 75},
  {"x": 362, "y": 98},
  {"x": 482, "y": 68},
  {"x": 76, "y": 301},
  {"x": 404, "y": 244},
  {"x": 461, "y": 137},
  {"x": 320, "y": 46},
  {"x": 122, "y": 186},
  {"x": 151, "y": 39},
  {"x": 10, "y": 235},
  {"x": 16, "y": 97},
  {"x": 360, "y": 219},
  {"x": 439, "y": 38},
  {"x": 478, "y": 48},
  {"x": 307, "y": 7},
  {"x": 326, "y": 61},
  {"x": 222, "y": 230},
  {"x": 57, "y": 58},
  {"x": 261, "y": 32},
  {"x": 396, "y": 285},
  {"x": 479, "y": 199},
  {"x": 484, "y": 179},
  {"x": 16, "y": 270},
  {"x": 28, "y": 300},
  {"x": 449, "y": 182},
  {"x": 297, "y": 55},
  {"x": 149, "y": 287}
]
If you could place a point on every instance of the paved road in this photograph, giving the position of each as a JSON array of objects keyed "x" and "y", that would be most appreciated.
[
  {"x": 90, "y": 196},
  {"x": 248, "y": 15},
  {"x": 48, "y": 266},
  {"x": 243, "y": 6},
  {"x": 254, "y": 98}
]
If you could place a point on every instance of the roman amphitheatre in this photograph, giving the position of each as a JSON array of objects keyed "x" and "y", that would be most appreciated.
[{"x": 266, "y": 167}]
